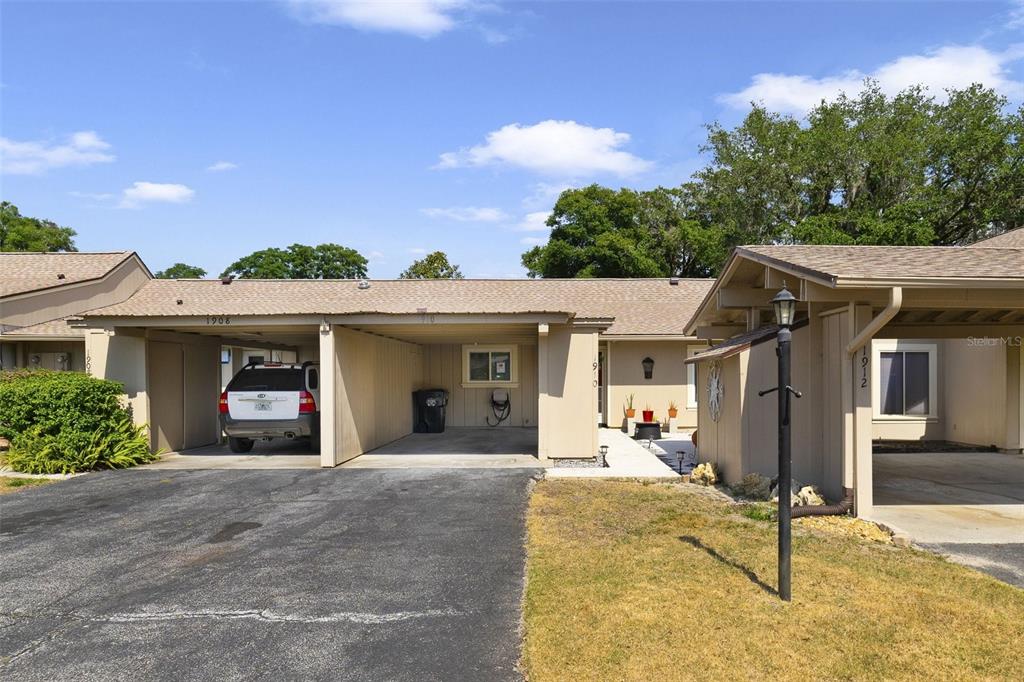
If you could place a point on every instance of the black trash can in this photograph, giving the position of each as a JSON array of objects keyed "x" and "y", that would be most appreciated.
[{"x": 428, "y": 410}]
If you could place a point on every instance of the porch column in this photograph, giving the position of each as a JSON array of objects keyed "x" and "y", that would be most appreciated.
[
  {"x": 863, "y": 479},
  {"x": 543, "y": 422},
  {"x": 328, "y": 370},
  {"x": 1014, "y": 399}
]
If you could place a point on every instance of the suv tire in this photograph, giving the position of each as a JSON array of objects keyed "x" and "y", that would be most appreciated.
[{"x": 240, "y": 445}]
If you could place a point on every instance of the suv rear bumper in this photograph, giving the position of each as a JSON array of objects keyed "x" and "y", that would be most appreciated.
[{"x": 302, "y": 426}]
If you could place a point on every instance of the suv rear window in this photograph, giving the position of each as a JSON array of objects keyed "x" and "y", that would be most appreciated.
[{"x": 283, "y": 379}]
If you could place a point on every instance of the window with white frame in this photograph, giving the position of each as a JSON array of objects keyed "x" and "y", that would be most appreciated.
[
  {"x": 482, "y": 365},
  {"x": 904, "y": 380},
  {"x": 691, "y": 377}
]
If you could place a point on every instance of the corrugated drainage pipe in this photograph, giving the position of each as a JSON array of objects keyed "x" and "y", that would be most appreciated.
[{"x": 838, "y": 509}]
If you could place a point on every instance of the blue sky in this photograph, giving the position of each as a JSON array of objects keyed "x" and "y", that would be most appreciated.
[{"x": 201, "y": 131}]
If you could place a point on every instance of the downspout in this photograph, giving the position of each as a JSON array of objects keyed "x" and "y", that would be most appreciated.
[
  {"x": 883, "y": 318},
  {"x": 864, "y": 337}
]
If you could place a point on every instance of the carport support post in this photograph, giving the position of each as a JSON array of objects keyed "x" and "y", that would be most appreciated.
[{"x": 328, "y": 436}]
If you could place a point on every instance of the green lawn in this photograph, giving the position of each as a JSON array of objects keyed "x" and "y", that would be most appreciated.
[
  {"x": 655, "y": 582},
  {"x": 10, "y": 484}
]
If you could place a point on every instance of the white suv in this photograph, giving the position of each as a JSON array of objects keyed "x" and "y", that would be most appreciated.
[{"x": 272, "y": 400}]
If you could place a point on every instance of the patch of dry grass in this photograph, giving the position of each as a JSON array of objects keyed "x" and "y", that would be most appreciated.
[
  {"x": 10, "y": 484},
  {"x": 651, "y": 582}
]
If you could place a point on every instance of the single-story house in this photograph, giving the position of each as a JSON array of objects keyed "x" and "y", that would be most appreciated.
[
  {"x": 39, "y": 291},
  {"x": 890, "y": 343},
  {"x": 569, "y": 352}
]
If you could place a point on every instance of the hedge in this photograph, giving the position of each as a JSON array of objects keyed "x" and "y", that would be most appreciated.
[{"x": 64, "y": 422}]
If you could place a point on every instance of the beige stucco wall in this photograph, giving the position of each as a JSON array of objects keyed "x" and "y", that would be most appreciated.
[
  {"x": 442, "y": 368},
  {"x": 44, "y": 306},
  {"x": 120, "y": 355},
  {"x": 667, "y": 383},
  {"x": 567, "y": 376},
  {"x": 973, "y": 408},
  {"x": 374, "y": 381}
]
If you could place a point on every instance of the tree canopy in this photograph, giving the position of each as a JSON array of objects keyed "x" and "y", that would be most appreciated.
[
  {"x": 432, "y": 266},
  {"x": 871, "y": 169},
  {"x": 298, "y": 261},
  {"x": 22, "y": 233},
  {"x": 181, "y": 271}
]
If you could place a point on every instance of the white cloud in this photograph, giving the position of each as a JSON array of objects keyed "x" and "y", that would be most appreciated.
[
  {"x": 467, "y": 214},
  {"x": 422, "y": 18},
  {"x": 32, "y": 158},
  {"x": 146, "y": 192},
  {"x": 1016, "y": 15},
  {"x": 554, "y": 148},
  {"x": 533, "y": 241},
  {"x": 221, "y": 166},
  {"x": 950, "y": 67},
  {"x": 534, "y": 222},
  {"x": 94, "y": 196},
  {"x": 418, "y": 251}
]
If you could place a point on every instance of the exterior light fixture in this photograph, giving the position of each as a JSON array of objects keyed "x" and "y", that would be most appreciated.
[
  {"x": 785, "y": 307},
  {"x": 648, "y": 367}
]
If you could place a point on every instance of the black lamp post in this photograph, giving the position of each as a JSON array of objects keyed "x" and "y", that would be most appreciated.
[{"x": 785, "y": 309}]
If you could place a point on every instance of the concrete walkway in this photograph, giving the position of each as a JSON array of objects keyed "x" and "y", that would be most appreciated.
[
  {"x": 456, "y": 448},
  {"x": 626, "y": 459}
]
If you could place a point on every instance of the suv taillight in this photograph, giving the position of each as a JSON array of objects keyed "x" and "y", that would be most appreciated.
[
  {"x": 222, "y": 406},
  {"x": 306, "y": 403}
]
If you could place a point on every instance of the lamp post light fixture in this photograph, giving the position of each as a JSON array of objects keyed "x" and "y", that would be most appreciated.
[
  {"x": 648, "y": 364},
  {"x": 785, "y": 310}
]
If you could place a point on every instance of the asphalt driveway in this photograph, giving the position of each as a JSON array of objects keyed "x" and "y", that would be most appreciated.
[{"x": 323, "y": 574}]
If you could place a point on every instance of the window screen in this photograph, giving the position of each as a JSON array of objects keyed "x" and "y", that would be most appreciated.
[{"x": 905, "y": 383}]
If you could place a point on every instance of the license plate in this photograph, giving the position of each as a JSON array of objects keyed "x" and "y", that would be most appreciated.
[{"x": 262, "y": 406}]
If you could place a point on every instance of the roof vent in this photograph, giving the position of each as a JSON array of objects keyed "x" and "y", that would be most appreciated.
[
  {"x": 674, "y": 281},
  {"x": 180, "y": 301},
  {"x": 60, "y": 275},
  {"x": 421, "y": 310},
  {"x": 364, "y": 284},
  {"x": 227, "y": 279}
]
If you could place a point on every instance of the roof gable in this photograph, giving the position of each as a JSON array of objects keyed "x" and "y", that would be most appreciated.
[{"x": 22, "y": 273}]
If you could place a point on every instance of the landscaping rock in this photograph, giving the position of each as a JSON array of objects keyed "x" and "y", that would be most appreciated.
[
  {"x": 704, "y": 474},
  {"x": 809, "y": 495},
  {"x": 754, "y": 487}
]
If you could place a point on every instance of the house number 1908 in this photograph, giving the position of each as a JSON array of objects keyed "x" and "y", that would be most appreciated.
[{"x": 218, "y": 319}]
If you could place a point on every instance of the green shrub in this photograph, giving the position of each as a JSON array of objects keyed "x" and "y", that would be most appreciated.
[{"x": 63, "y": 422}]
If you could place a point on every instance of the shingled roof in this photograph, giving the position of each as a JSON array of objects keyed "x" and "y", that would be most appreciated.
[
  {"x": 894, "y": 262},
  {"x": 638, "y": 306},
  {"x": 24, "y": 272},
  {"x": 1014, "y": 239}
]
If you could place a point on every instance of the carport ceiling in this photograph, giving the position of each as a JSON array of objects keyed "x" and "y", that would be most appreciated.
[
  {"x": 291, "y": 335},
  {"x": 427, "y": 334}
]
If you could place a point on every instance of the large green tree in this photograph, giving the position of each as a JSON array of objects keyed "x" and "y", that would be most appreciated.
[
  {"x": 601, "y": 232},
  {"x": 432, "y": 266},
  {"x": 907, "y": 169},
  {"x": 181, "y": 271},
  {"x": 298, "y": 261},
  {"x": 22, "y": 233}
]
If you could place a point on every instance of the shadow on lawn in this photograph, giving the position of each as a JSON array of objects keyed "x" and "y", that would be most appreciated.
[{"x": 713, "y": 553}]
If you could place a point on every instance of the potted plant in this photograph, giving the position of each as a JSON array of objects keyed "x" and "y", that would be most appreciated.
[
  {"x": 630, "y": 412},
  {"x": 648, "y": 414},
  {"x": 673, "y": 409}
]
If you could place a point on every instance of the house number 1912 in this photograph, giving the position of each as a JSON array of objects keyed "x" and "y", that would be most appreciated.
[{"x": 864, "y": 367}]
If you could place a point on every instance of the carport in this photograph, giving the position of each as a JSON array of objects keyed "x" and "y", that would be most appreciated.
[{"x": 377, "y": 343}]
